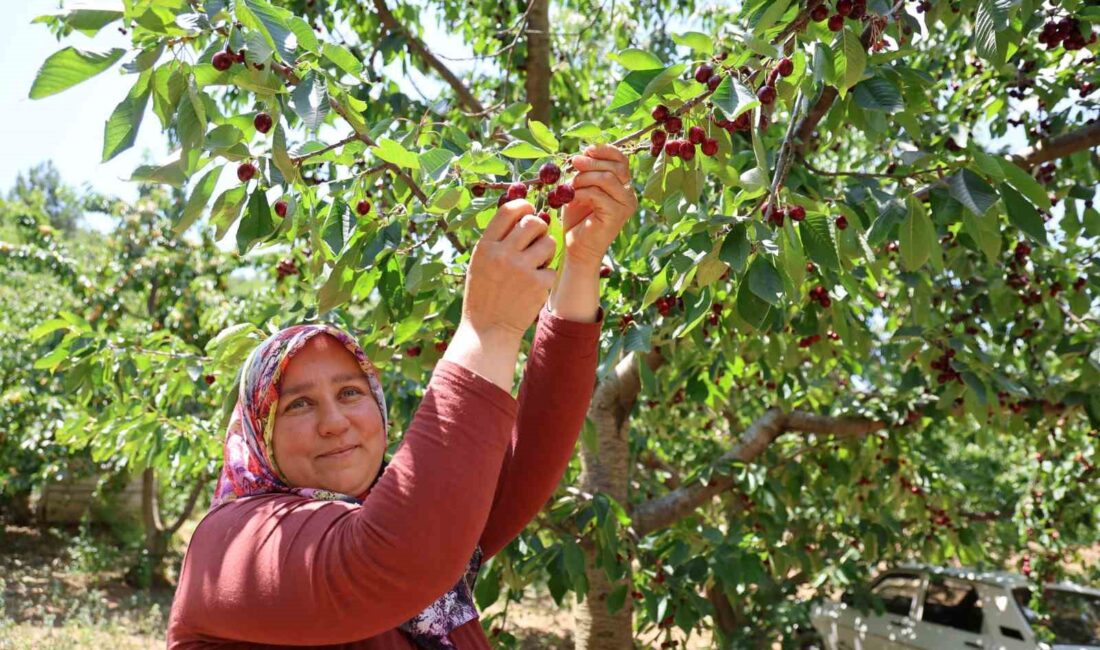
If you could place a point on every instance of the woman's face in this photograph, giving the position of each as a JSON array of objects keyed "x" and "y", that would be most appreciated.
[{"x": 328, "y": 429}]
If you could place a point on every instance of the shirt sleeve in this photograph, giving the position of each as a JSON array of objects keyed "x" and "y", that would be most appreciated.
[
  {"x": 558, "y": 380},
  {"x": 271, "y": 568}
]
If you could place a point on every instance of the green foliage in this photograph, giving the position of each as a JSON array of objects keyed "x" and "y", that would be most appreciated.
[{"x": 931, "y": 310}]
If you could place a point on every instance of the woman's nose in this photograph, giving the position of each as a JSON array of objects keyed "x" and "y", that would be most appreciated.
[{"x": 332, "y": 421}]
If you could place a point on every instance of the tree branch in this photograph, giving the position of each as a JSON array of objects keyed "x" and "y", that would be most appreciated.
[
  {"x": 192, "y": 498},
  {"x": 662, "y": 511},
  {"x": 1060, "y": 147},
  {"x": 420, "y": 49}
]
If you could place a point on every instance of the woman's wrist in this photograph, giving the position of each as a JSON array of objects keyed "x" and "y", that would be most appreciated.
[
  {"x": 576, "y": 296},
  {"x": 489, "y": 352}
]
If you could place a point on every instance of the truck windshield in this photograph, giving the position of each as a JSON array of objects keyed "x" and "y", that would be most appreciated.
[{"x": 1074, "y": 617}]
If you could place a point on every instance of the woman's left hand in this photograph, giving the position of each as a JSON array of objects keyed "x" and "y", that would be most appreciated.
[{"x": 604, "y": 201}]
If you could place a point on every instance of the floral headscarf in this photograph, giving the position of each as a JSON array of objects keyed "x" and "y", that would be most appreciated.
[{"x": 249, "y": 466}]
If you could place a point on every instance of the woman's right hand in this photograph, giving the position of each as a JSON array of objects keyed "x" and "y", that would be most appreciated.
[{"x": 506, "y": 284}]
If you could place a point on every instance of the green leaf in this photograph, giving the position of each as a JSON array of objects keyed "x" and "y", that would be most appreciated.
[
  {"x": 968, "y": 188},
  {"x": 734, "y": 98},
  {"x": 337, "y": 288},
  {"x": 444, "y": 199},
  {"x": 1023, "y": 215},
  {"x": 891, "y": 213},
  {"x": 817, "y": 239},
  {"x": 435, "y": 162},
  {"x": 584, "y": 130},
  {"x": 343, "y": 59},
  {"x": 273, "y": 22},
  {"x": 227, "y": 208},
  {"x": 851, "y": 60},
  {"x": 70, "y": 66},
  {"x": 543, "y": 137},
  {"x": 121, "y": 129},
  {"x": 773, "y": 11},
  {"x": 916, "y": 236},
  {"x": 521, "y": 149},
  {"x": 85, "y": 21},
  {"x": 751, "y": 308},
  {"x": 667, "y": 76},
  {"x": 657, "y": 288},
  {"x": 391, "y": 151},
  {"x": 628, "y": 94},
  {"x": 200, "y": 195},
  {"x": 992, "y": 16},
  {"x": 764, "y": 281},
  {"x": 310, "y": 101},
  {"x": 307, "y": 39},
  {"x": 340, "y": 224},
  {"x": 256, "y": 224},
  {"x": 1025, "y": 183},
  {"x": 695, "y": 41},
  {"x": 984, "y": 231},
  {"x": 190, "y": 124},
  {"x": 635, "y": 59},
  {"x": 736, "y": 248},
  {"x": 878, "y": 94},
  {"x": 281, "y": 158}
]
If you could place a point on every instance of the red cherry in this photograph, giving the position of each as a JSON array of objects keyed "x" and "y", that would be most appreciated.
[
  {"x": 605, "y": 271},
  {"x": 696, "y": 135},
  {"x": 413, "y": 351},
  {"x": 674, "y": 125},
  {"x": 245, "y": 172},
  {"x": 209, "y": 379},
  {"x": 502, "y": 199},
  {"x": 687, "y": 150},
  {"x": 766, "y": 95},
  {"x": 362, "y": 207},
  {"x": 545, "y": 216},
  {"x": 566, "y": 193},
  {"x": 281, "y": 208},
  {"x": 549, "y": 174},
  {"x": 478, "y": 189},
  {"x": 714, "y": 81},
  {"x": 222, "y": 61},
  {"x": 844, "y": 7},
  {"x": 672, "y": 148},
  {"x": 785, "y": 67},
  {"x": 660, "y": 113},
  {"x": 703, "y": 73},
  {"x": 516, "y": 190},
  {"x": 262, "y": 122},
  {"x": 819, "y": 13},
  {"x": 658, "y": 138},
  {"x": 841, "y": 222},
  {"x": 710, "y": 147},
  {"x": 836, "y": 22},
  {"x": 441, "y": 346},
  {"x": 797, "y": 212}
]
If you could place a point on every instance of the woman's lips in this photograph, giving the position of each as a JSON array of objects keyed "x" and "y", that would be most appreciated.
[{"x": 341, "y": 453}]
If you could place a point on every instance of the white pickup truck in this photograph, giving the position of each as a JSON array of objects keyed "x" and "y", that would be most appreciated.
[{"x": 930, "y": 608}]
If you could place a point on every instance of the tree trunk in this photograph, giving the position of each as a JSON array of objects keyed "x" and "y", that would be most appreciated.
[
  {"x": 607, "y": 469},
  {"x": 538, "y": 60},
  {"x": 150, "y": 567}
]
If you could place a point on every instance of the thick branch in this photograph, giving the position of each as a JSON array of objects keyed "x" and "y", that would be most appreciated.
[
  {"x": 537, "y": 81},
  {"x": 1066, "y": 144},
  {"x": 192, "y": 498},
  {"x": 1060, "y": 147},
  {"x": 420, "y": 49},
  {"x": 662, "y": 511}
]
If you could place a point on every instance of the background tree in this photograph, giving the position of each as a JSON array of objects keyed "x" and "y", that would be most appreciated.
[{"x": 855, "y": 321}]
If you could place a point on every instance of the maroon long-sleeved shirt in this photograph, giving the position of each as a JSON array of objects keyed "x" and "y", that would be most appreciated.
[{"x": 475, "y": 466}]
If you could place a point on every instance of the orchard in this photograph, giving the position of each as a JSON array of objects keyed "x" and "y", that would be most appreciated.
[{"x": 854, "y": 322}]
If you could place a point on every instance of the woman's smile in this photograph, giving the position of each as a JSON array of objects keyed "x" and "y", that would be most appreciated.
[{"x": 343, "y": 452}]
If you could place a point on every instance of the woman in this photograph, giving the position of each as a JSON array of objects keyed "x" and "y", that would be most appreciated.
[{"x": 312, "y": 540}]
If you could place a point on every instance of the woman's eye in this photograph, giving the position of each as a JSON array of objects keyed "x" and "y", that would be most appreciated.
[
  {"x": 351, "y": 391},
  {"x": 296, "y": 404}
]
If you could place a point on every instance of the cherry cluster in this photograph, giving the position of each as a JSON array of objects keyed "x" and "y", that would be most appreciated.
[
  {"x": 665, "y": 304},
  {"x": 222, "y": 61},
  {"x": 776, "y": 216},
  {"x": 821, "y": 295},
  {"x": 681, "y": 148},
  {"x": 1065, "y": 32},
  {"x": 1046, "y": 173},
  {"x": 286, "y": 267},
  {"x": 943, "y": 364},
  {"x": 851, "y": 9}
]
